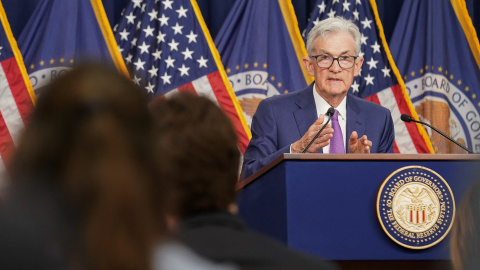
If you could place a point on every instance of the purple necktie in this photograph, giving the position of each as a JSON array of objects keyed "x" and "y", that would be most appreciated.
[{"x": 336, "y": 142}]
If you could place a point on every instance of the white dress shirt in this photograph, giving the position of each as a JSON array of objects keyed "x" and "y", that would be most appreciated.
[{"x": 322, "y": 107}]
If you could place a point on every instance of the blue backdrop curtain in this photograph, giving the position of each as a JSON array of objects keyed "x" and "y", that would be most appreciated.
[{"x": 215, "y": 12}]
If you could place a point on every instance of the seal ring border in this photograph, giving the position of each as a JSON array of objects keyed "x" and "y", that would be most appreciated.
[{"x": 379, "y": 195}]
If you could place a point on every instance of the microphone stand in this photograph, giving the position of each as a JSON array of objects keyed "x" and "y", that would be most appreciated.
[{"x": 441, "y": 133}]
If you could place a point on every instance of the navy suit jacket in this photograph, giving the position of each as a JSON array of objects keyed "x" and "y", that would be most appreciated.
[{"x": 283, "y": 119}]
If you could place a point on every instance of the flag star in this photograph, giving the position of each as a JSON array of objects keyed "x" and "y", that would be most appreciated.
[
  {"x": 346, "y": 6},
  {"x": 157, "y": 54},
  {"x": 128, "y": 59},
  {"x": 331, "y": 14},
  {"x": 136, "y": 80},
  {"x": 182, "y": 12},
  {"x": 169, "y": 61},
  {"x": 163, "y": 20},
  {"x": 192, "y": 37},
  {"x": 144, "y": 6},
  {"x": 355, "y": 87},
  {"x": 361, "y": 54},
  {"x": 322, "y": 7},
  {"x": 150, "y": 87},
  {"x": 124, "y": 34},
  {"x": 139, "y": 25},
  {"x": 148, "y": 31},
  {"x": 161, "y": 37},
  {"x": 369, "y": 79},
  {"x": 335, "y": 1},
  {"x": 153, "y": 14},
  {"x": 144, "y": 48},
  {"x": 360, "y": 72},
  {"x": 375, "y": 47},
  {"x": 202, "y": 62},
  {"x": 177, "y": 29},
  {"x": 366, "y": 23},
  {"x": 153, "y": 71},
  {"x": 115, "y": 28},
  {"x": 358, "y": 2},
  {"x": 166, "y": 78},
  {"x": 356, "y": 14},
  {"x": 364, "y": 39},
  {"x": 184, "y": 70},
  {"x": 173, "y": 45},
  {"x": 120, "y": 49},
  {"x": 139, "y": 64},
  {"x": 386, "y": 72},
  {"x": 131, "y": 18},
  {"x": 167, "y": 4},
  {"x": 137, "y": 3},
  {"x": 134, "y": 42},
  {"x": 187, "y": 54},
  {"x": 372, "y": 64}
]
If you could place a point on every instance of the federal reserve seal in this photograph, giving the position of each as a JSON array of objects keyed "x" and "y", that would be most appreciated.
[{"x": 415, "y": 207}]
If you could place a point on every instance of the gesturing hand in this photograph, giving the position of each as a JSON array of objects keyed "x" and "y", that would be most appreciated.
[
  {"x": 361, "y": 145},
  {"x": 321, "y": 141}
]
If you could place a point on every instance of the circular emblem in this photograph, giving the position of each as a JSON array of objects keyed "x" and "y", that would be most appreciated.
[{"x": 415, "y": 207}]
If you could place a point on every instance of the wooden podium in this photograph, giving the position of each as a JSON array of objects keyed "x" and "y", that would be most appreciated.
[{"x": 325, "y": 205}]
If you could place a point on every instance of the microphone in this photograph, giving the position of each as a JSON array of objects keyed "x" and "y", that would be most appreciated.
[
  {"x": 329, "y": 113},
  {"x": 407, "y": 118}
]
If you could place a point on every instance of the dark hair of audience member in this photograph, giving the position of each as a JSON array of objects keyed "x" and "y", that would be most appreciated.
[
  {"x": 89, "y": 139},
  {"x": 192, "y": 134},
  {"x": 465, "y": 239}
]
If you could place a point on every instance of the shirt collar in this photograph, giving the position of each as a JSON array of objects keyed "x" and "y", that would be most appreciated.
[{"x": 322, "y": 106}]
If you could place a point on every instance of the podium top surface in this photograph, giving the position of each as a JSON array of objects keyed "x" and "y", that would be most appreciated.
[{"x": 353, "y": 157}]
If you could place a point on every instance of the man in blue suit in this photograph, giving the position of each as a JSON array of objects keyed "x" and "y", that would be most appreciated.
[{"x": 287, "y": 123}]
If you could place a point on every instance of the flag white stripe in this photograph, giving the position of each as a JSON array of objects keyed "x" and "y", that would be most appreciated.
[
  {"x": 172, "y": 93},
  {"x": 204, "y": 88},
  {"x": 8, "y": 108},
  {"x": 402, "y": 137}
]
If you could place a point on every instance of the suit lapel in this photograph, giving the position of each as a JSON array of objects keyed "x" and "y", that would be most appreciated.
[
  {"x": 306, "y": 114},
  {"x": 354, "y": 120}
]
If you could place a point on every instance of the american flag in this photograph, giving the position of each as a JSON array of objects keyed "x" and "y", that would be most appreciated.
[
  {"x": 379, "y": 80},
  {"x": 167, "y": 48},
  {"x": 16, "y": 93}
]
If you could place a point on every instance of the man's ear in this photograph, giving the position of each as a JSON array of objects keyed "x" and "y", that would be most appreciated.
[
  {"x": 358, "y": 65},
  {"x": 307, "y": 62}
]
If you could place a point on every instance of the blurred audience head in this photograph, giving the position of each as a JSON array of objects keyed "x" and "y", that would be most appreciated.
[
  {"x": 198, "y": 156},
  {"x": 465, "y": 239},
  {"x": 88, "y": 142}
]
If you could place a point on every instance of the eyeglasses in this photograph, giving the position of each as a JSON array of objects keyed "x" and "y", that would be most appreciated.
[{"x": 326, "y": 61}]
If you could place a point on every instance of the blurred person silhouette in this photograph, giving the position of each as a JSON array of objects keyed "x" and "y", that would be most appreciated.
[
  {"x": 80, "y": 192},
  {"x": 465, "y": 239},
  {"x": 199, "y": 158}
]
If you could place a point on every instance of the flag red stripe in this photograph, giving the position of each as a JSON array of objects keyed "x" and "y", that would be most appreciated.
[
  {"x": 395, "y": 147},
  {"x": 417, "y": 139},
  {"x": 6, "y": 145},
  {"x": 228, "y": 108},
  {"x": 188, "y": 87},
  {"x": 374, "y": 98},
  {"x": 17, "y": 87}
]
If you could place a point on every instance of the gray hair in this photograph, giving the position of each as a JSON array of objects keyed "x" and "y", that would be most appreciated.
[{"x": 331, "y": 26}]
